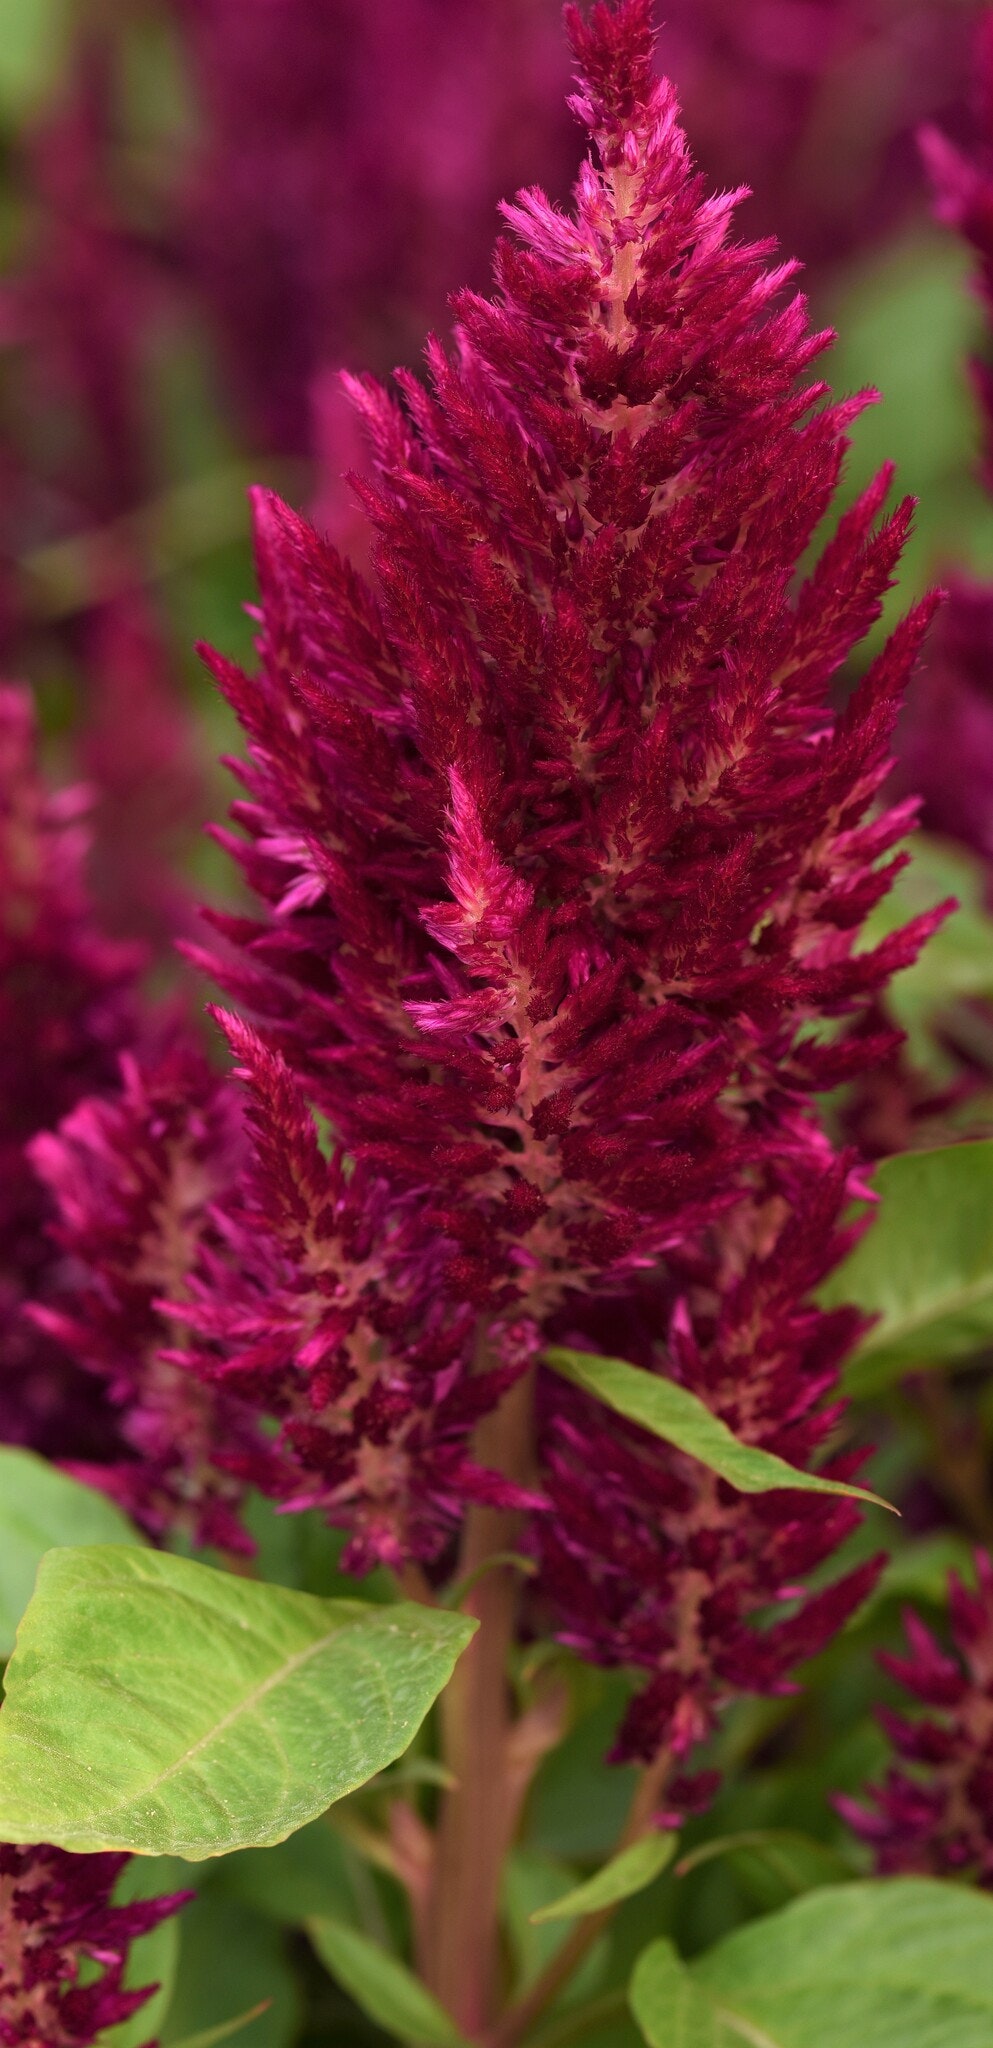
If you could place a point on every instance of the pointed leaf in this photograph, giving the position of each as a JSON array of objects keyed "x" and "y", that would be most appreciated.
[
  {"x": 384, "y": 1987},
  {"x": 924, "y": 1267},
  {"x": 40, "y": 1508},
  {"x": 180, "y": 1709},
  {"x": 671, "y": 1412},
  {"x": 625, "y": 1874}
]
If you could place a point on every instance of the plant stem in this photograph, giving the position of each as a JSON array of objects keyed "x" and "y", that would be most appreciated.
[
  {"x": 553, "y": 1979},
  {"x": 460, "y": 1959}
]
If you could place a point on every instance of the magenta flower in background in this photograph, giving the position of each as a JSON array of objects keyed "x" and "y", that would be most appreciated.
[
  {"x": 933, "y": 1811},
  {"x": 946, "y": 736},
  {"x": 56, "y": 1914},
  {"x": 814, "y": 105},
  {"x": 349, "y": 168},
  {"x": 562, "y": 855},
  {"x": 66, "y": 1010}
]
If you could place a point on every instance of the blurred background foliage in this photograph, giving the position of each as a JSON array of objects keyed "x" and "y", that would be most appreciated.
[{"x": 206, "y": 208}]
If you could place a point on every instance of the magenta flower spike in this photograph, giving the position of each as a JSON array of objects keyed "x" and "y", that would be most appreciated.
[
  {"x": 563, "y": 853},
  {"x": 933, "y": 1811},
  {"x": 55, "y": 1914}
]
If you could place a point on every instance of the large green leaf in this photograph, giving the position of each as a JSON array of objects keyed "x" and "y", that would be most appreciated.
[
  {"x": 384, "y": 1987},
  {"x": 924, "y": 1267},
  {"x": 626, "y": 1873},
  {"x": 673, "y": 1413},
  {"x": 892, "y": 1963},
  {"x": 40, "y": 1508},
  {"x": 180, "y": 1709}
]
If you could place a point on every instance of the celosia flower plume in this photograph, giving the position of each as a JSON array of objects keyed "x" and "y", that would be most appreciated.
[
  {"x": 933, "y": 1811},
  {"x": 563, "y": 854},
  {"x": 56, "y": 1915}
]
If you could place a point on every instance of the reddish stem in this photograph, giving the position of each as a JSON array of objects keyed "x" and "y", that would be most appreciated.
[{"x": 460, "y": 1956}]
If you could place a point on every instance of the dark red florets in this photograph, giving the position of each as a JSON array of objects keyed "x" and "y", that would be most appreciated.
[{"x": 56, "y": 1914}]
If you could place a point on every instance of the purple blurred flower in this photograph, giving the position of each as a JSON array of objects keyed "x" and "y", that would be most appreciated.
[
  {"x": 65, "y": 1012},
  {"x": 814, "y": 104},
  {"x": 55, "y": 1914},
  {"x": 946, "y": 736},
  {"x": 350, "y": 164},
  {"x": 563, "y": 855},
  {"x": 936, "y": 1817}
]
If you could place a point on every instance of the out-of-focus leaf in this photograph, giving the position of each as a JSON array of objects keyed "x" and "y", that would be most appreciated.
[
  {"x": 384, "y": 1987},
  {"x": 924, "y": 1268},
  {"x": 230, "y": 1960},
  {"x": 154, "y": 1957},
  {"x": 670, "y": 2008},
  {"x": 801, "y": 1862},
  {"x": 892, "y": 1963},
  {"x": 33, "y": 39},
  {"x": 210, "y": 2037},
  {"x": 956, "y": 963}
]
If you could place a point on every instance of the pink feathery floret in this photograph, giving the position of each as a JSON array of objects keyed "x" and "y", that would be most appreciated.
[
  {"x": 56, "y": 1923},
  {"x": 134, "y": 1175},
  {"x": 65, "y": 1012},
  {"x": 562, "y": 854},
  {"x": 933, "y": 1811}
]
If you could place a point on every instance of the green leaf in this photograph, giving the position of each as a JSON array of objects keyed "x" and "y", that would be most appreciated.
[
  {"x": 209, "y": 2036},
  {"x": 670, "y": 2009},
  {"x": 924, "y": 1266},
  {"x": 40, "y": 1508},
  {"x": 182, "y": 1709},
  {"x": 678, "y": 1417},
  {"x": 383, "y": 1987},
  {"x": 891, "y": 1963},
  {"x": 230, "y": 1959},
  {"x": 626, "y": 1873},
  {"x": 957, "y": 962},
  {"x": 304, "y": 1875}
]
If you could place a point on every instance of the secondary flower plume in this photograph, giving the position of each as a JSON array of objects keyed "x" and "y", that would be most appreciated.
[
  {"x": 563, "y": 854},
  {"x": 933, "y": 1811},
  {"x": 56, "y": 1916}
]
